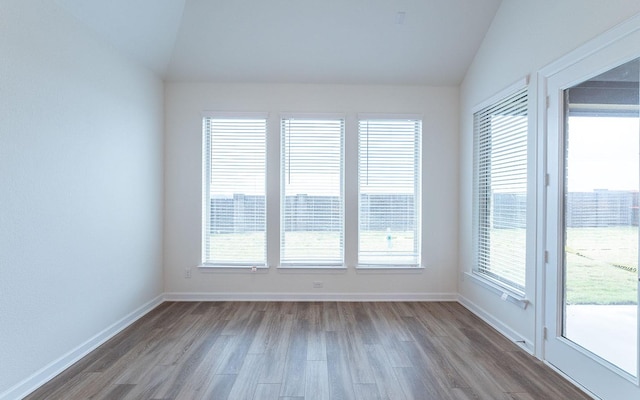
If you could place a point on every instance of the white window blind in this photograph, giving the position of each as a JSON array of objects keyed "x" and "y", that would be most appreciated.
[
  {"x": 389, "y": 192},
  {"x": 500, "y": 190},
  {"x": 234, "y": 191},
  {"x": 312, "y": 200}
]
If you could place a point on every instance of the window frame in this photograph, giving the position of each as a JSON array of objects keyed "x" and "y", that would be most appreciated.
[
  {"x": 206, "y": 181},
  {"x": 508, "y": 287},
  {"x": 282, "y": 171},
  {"x": 417, "y": 192}
]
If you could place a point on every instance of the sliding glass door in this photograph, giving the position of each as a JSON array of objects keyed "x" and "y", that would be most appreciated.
[
  {"x": 600, "y": 291},
  {"x": 593, "y": 209}
]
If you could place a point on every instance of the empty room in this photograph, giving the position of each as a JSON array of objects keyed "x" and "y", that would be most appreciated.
[{"x": 306, "y": 199}]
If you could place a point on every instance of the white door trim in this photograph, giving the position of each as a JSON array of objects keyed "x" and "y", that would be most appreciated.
[{"x": 614, "y": 47}]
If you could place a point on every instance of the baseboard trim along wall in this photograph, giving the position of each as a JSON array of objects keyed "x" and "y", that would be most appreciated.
[
  {"x": 226, "y": 296},
  {"x": 48, "y": 372},
  {"x": 498, "y": 325},
  {"x": 42, "y": 376}
]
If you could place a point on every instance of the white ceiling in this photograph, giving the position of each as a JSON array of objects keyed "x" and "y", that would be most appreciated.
[
  {"x": 144, "y": 29},
  {"x": 286, "y": 41}
]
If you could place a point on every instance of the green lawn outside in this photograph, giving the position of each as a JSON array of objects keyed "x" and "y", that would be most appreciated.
[
  {"x": 237, "y": 247},
  {"x": 601, "y": 262},
  {"x": 602, "y": 265},
  {"x": 249, "y": 246}
]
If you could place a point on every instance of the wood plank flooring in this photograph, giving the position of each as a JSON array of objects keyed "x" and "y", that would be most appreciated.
[{"x": 309, "y": 351}]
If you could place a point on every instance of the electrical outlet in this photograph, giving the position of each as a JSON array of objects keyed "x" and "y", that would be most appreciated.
[
  {"x": 187, "y": 272},
  {"x": 318, "y": 284}
]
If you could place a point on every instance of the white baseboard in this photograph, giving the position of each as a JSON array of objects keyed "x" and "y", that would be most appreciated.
[
  {"x": 226, "y": 296},
  {"x": 498, "y": 325},
  {"x": 45, "y": 374}
]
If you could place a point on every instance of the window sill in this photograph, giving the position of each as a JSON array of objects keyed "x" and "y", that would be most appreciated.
[
  {"x": 303, "y": 267},
  {"x": 504, "y": 293},
  {"x": 232, "y": 268},
  {"x": 391, "y": 267}
]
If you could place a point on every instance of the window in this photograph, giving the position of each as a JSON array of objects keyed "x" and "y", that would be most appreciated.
[
  {"x": 389, "y": 166},
  {"x": 500, "y": 190},
  {"x": 234, "y": 231},
  {"x": 311, "y": 169},
  {"x": 312, "y": 199}
]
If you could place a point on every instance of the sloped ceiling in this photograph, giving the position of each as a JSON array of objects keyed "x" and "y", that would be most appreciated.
[
  {"x": 145, "y": 30},
  {"x": 285, "y": 41}
]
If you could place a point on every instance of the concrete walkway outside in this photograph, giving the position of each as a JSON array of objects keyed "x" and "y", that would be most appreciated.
[{"x": 609, "y": 331}]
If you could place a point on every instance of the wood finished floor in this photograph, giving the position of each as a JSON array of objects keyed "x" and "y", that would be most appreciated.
[{"x": 296, "y": 351}]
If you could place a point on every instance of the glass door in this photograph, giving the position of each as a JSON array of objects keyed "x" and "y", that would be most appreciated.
[
  {"x": 593, "y": 214},
  {"x": 601, "y": 182}
]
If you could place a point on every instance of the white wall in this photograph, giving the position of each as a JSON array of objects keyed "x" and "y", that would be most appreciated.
[
  {"x": 185, "y": 101},
  {"x": 524, "y": 36},
  {"x": 80, "y": 188}
]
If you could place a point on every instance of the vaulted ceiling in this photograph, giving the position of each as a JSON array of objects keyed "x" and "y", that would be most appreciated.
[{"x": 291, "y": 41}]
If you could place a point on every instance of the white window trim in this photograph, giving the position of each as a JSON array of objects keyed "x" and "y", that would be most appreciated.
[
  {"x": 419, "y": 204},
  {"x": 499, "y": 289},
  {"x": 206, "y": 166},
  {"x": 350, "y": 197},
  {"x": 312, "y": 265},
  {"x": 389, "y": 266},
  {"x": 505, "y": 291}
]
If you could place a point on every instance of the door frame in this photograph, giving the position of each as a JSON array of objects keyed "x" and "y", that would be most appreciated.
[{"x": 612, "y": 48}]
